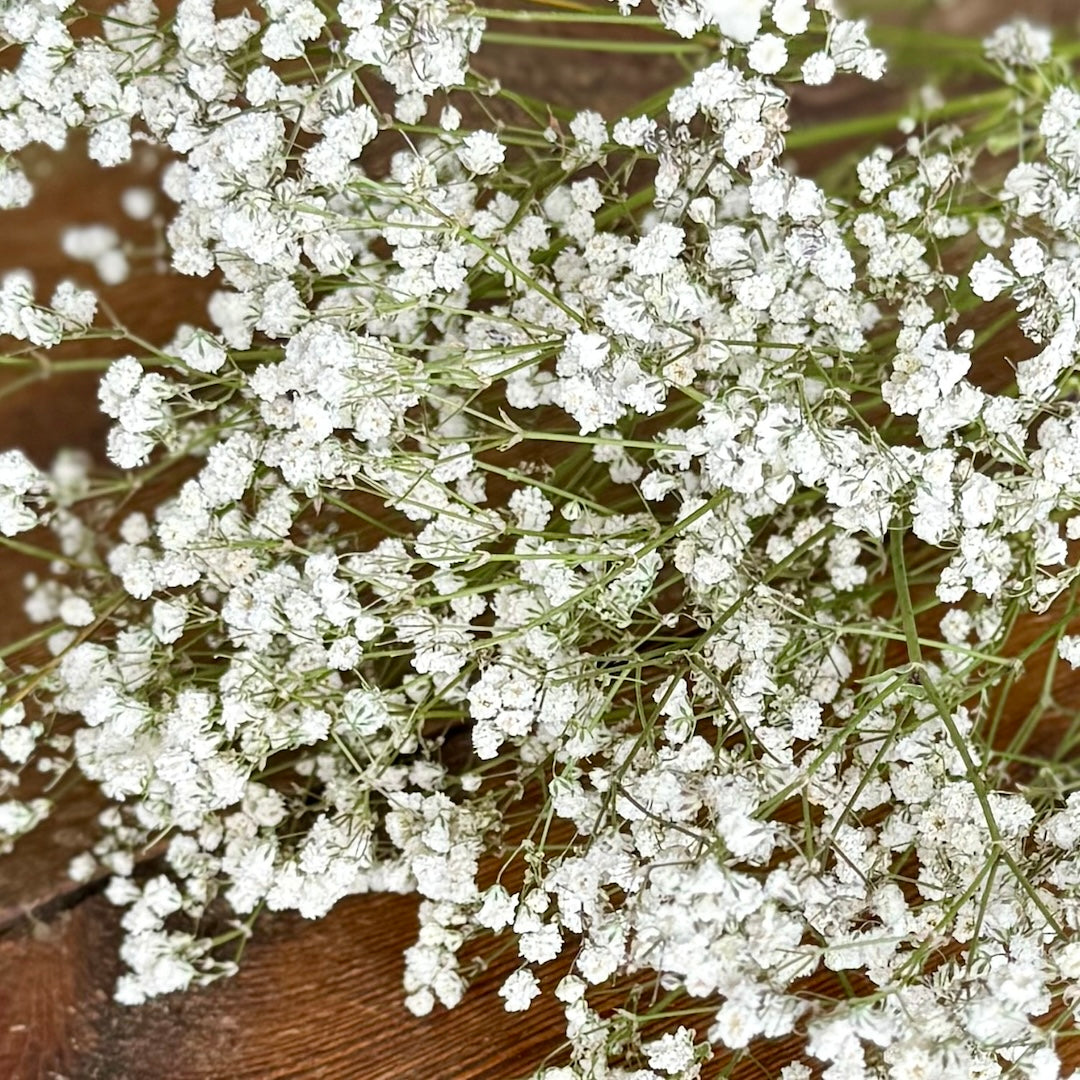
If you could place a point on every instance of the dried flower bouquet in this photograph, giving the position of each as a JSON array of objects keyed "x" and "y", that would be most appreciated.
[{"x": 604, "y": 527}]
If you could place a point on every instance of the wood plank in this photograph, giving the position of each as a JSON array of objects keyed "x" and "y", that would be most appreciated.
[{"x": 313, "y": 999}]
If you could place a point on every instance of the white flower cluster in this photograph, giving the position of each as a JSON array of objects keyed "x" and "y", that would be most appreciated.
[
  {"x": 623, "y": 565},
  {"x": 21, "y": 486}
]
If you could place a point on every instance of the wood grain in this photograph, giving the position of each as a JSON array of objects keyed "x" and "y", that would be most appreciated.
[{"x": 314, "y": 999}]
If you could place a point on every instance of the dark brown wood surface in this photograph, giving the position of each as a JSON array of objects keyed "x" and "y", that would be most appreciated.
[{"x": 313, "y": 999}]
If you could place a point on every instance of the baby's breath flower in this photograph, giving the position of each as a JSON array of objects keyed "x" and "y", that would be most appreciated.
[
  {"x": 768, "y": 54},
  {"x": 481, "y": 152},
  {"x": 519, "y": 990},
  {"x": 21, "y": 485}
]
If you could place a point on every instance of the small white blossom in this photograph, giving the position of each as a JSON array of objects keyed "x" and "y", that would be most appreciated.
[
  {"x": 481, "y": 152},
  {"x": 768, "y": 54},
  {"x": 989, "y": 277},
  {"x": 657, "y": 252},
  {"x": 519, "y": 991},
  {"x": 818, "y": 69}
]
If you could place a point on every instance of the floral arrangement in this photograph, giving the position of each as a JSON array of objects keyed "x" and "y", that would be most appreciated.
[{"x": 595, "y": 525}]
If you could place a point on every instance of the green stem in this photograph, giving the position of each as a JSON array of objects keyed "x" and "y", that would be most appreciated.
[
  {"x": 879, "y": 123},
  {"x": 643, "y": 22},
  {"x": 640, "y": 48}
]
